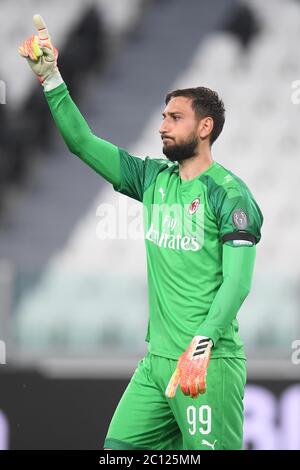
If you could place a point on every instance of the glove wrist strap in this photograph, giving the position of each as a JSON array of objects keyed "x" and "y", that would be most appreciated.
[{"x": 201, "y": 345}]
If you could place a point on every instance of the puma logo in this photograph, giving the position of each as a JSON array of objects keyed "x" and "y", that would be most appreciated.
[
  {"x": 162, "y": 193},
  {"x": 206, "y": 443}
]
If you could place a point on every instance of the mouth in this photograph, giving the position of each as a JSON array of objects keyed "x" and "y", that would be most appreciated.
[{"x": 164, "y": 139}]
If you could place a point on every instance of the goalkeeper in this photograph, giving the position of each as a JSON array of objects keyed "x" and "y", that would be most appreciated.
[{"x": 202, "y": 225}]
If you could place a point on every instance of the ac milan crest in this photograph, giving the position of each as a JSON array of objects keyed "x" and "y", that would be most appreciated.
[{"x": 194, "y": 206}]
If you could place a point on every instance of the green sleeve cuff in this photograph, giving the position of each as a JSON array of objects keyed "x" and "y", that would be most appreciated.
[
  {"x": 210, "y": 332},
  {"x": 56, "y": 91}
]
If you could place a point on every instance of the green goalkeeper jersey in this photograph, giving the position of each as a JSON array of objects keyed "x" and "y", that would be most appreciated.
[{"x": 186, "y": 224}]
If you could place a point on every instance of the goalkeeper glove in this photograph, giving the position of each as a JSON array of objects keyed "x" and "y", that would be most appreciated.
[
  {"x": 191, "y": 369},
  {"x": 41, "y": 55}
]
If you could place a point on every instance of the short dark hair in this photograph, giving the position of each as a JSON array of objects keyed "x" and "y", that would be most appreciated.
[{"x": 205, "y": 103}]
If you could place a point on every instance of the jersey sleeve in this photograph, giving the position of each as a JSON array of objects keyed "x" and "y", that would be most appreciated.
[
  {"x": 238, "y": 216},
  {"x": 238, "y": 266},
  {"x": 137, "y": 174}
]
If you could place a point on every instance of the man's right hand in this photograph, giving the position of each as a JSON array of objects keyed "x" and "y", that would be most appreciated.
[{"x": 41, "y": 55}]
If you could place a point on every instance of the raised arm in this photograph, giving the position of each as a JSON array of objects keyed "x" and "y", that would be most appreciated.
[{"x": 99, "y": 154}]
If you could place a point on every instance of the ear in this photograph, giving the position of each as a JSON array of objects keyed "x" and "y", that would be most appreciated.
[{"x": 205, "y": 127}]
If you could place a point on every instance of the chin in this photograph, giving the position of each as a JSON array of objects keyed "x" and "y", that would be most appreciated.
[{"x": 166, "y": 147}]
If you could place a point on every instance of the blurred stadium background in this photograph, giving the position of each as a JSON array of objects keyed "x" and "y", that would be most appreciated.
[{"x": 74, "y": 306}]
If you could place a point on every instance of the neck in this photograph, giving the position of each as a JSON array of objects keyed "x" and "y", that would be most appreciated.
[{"x": 190, "y": 168}]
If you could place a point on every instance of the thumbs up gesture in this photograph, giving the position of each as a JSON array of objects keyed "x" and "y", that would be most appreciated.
[{"x": 41, "y": 55}]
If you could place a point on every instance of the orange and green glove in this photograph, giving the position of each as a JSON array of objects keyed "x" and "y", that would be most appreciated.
[
  {"x": 191, "y": 369},
  {"x": 42, "y": 56}
]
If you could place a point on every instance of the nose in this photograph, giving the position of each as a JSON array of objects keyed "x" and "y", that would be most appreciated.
[{"x": 163, "y": 128}]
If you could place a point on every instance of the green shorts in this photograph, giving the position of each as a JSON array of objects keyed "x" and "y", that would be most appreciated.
[{"x": 146, "y": 419}]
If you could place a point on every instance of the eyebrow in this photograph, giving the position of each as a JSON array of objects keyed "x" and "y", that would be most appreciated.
[{"x": 172, "y": 114}]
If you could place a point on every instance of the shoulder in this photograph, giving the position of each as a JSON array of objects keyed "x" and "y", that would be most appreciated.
[
  {"x": 223, "y": 183},
  {"x": 162, "y": 163},
  {"x": 154, "y": 166},
  {"x": 238, "y": 215}
]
